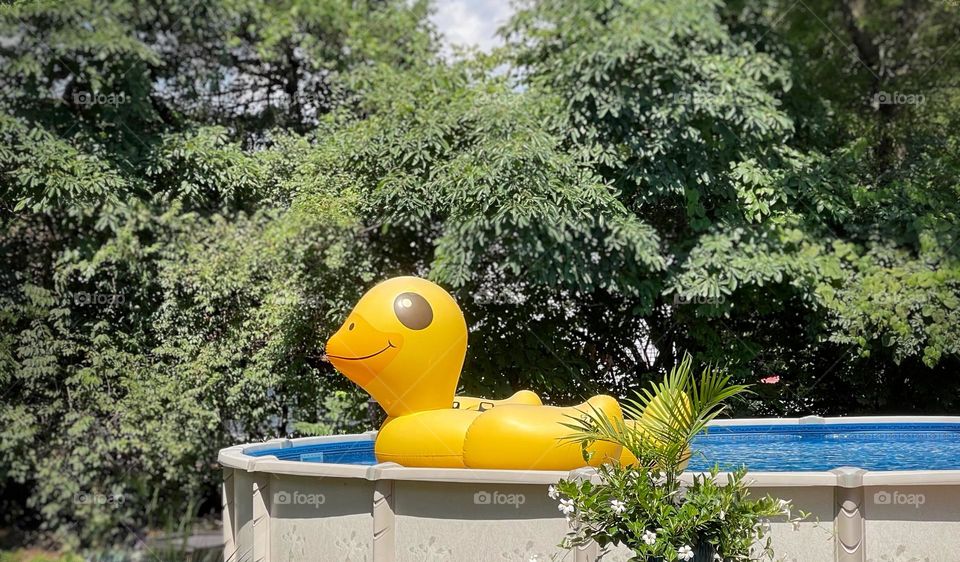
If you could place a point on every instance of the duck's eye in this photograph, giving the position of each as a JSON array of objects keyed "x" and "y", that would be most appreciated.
[{"x": 413, "y": 311}]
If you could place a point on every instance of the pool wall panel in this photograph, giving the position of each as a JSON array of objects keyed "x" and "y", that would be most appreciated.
[
  {"x": 811, "y": 540},
  {"x": 912, "y": 522},
  {"x": 319, "y": 519},
  {"x": 450, "y": 521}
]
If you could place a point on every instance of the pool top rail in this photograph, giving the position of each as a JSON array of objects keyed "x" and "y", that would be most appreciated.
[{"x": 267, "y": 457}]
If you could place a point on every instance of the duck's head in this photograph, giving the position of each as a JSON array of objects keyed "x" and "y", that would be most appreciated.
[{"x": 403, "y": 343}]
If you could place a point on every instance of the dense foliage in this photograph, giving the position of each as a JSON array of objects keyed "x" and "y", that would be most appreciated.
[
  {"x": 806, "y": 199},
  {"x": 193, "y": 194}
]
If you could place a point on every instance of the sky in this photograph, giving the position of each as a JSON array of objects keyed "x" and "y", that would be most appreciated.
[{"x": 471, "y": 22}]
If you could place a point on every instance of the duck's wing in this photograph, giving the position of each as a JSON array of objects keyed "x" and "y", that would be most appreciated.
[
  {"x": 433, "y": 438},
  {"x": 524, "y": 437}
]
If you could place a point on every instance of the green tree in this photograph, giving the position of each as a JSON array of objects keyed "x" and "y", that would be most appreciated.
[
  {"x": 786, "y": 205},
  {"x": 160, "y": 297}
]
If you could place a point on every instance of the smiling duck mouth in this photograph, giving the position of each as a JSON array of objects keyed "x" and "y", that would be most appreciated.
[{"x": 389, "y": 345}]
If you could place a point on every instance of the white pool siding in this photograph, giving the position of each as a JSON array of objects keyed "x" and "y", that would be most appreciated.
[{"x": 388, "y": 513}]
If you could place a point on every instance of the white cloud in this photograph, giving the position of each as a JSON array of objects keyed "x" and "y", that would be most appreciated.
[{"x": 471, "y": 22}]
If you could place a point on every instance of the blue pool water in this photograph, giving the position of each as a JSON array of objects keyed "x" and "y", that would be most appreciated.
[{"x": 776, "y": 448}]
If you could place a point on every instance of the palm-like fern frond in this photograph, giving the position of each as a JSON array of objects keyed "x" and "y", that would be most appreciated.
[{"x": 668, "y": 416}]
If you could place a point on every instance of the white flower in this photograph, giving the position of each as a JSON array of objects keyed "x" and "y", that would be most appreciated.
[
  {"x": 784, "y": 507},
  {"x": 566, "y": 507},
  {"x": 685, "y": 553},
  {"x": 618, "y": 506},
  {"x": 649, "y": 537},
  {"x": 717, "y": 557},
  {"x": 553, "y": 493},
  {"x": 723, "y": 515}
]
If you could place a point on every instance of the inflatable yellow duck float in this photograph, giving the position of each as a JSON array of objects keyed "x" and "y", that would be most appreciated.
[{"x": 404, "y": 343}]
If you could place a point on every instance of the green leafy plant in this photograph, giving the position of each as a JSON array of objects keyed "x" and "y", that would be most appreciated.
[
  {"x": 652, "y": 507},
  {"x": 666, "y": 417}
]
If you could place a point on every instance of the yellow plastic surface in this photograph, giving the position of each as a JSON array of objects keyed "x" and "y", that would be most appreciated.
[
  {"x": 404, "y": 343},
  {"x": 406, "y": 370},
  {"x": 434, "y": 438},
  {"x": 480, "y": 404},
  {"x": 655, "y": 410},
  {"x": 530, "y": 437}
]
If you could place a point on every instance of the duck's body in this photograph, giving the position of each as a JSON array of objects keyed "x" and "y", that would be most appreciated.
[
  {"x": 516, "y": 436},
  {"x": 405, "y": 343}
]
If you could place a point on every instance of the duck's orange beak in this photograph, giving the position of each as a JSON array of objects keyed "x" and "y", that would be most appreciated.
[{"x": 360, "y": 351}]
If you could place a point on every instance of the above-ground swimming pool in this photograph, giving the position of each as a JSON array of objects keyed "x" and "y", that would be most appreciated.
[
  {"x": 759, "y": 447},
  {"x": 884, "y": 489}
]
